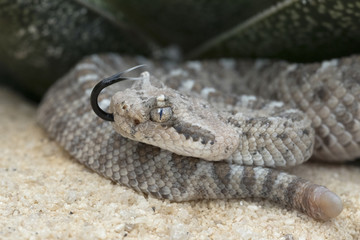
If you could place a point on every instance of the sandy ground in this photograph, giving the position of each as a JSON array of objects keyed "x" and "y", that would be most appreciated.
[{"x": 45, "y": 194}]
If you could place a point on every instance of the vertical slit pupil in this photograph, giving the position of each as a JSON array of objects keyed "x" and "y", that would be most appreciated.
[{"x": 160, "y": 112}]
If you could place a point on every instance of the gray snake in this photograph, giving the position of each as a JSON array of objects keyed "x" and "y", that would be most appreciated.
[{"x": 239, "y": 135}]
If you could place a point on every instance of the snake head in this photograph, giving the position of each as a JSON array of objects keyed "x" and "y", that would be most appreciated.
[{"x": 151, "y": 113}]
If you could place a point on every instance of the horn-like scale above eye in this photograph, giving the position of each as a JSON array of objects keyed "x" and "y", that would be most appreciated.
[{"x": 161, "y": 114}]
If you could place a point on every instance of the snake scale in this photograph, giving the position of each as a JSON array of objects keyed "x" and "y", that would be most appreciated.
[{"x": 196, "y": 142}]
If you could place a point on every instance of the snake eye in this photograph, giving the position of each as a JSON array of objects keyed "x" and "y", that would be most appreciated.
[{"x": 162, "y": 114}]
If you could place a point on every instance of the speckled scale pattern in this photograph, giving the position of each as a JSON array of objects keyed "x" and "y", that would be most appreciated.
[
  {"x": 328, "y": 92},
  {"x": 67, "y": 116}
]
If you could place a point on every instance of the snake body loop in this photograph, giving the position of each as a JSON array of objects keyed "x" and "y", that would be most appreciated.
[{"x": 198, "y": 143}]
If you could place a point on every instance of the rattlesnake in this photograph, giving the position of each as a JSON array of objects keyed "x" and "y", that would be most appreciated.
[{"x": 196, "y": 143}]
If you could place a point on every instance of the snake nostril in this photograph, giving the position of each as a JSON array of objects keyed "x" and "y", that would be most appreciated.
[{"x": 136, "y": 121}]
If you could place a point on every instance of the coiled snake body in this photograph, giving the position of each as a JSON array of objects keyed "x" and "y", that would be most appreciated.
[{"x": 196, "y": 142}]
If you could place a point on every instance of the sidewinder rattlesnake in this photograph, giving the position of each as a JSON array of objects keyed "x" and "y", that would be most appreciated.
[{"x": 199, "y": 143}]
